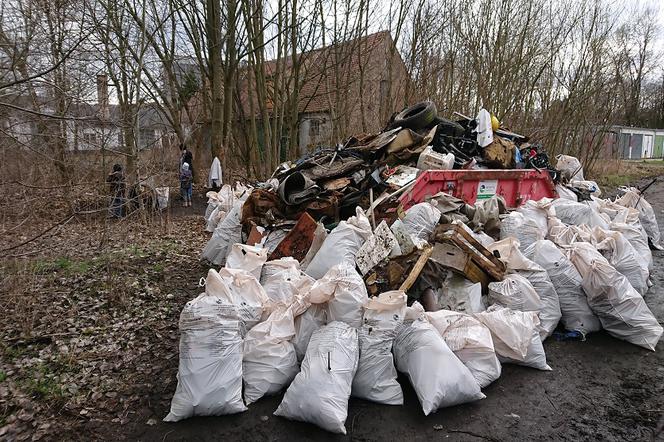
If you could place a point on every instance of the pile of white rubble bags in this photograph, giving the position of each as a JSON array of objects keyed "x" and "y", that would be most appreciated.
[{"x": 310, "y": 328}]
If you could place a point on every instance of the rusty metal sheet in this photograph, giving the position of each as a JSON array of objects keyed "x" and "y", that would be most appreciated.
[{"x": 297, "y": 241}]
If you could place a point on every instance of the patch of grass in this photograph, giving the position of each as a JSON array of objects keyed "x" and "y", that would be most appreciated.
[
  {"x": 41, "y": 383},
  {"x": 158, "y": 267},
  {"x": 3, "y": 376},
  {"x": 63, "y": 264}
]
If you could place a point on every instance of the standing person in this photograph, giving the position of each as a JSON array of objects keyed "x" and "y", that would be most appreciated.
[
  {"x": 186, "y": 157},
  {"x": 215, "y": 177},
  {"x": 116, "y": 184},
  {"x": 185, "y": 184}
]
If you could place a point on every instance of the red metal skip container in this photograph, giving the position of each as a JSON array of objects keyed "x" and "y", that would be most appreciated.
[{"x": 516, "y": 186}]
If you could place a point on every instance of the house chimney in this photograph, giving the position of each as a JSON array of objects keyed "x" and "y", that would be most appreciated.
[{"x": 102, "y": 96}]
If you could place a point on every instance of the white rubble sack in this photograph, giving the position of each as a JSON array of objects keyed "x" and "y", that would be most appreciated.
[
  {"x": 620, "y": 308},
  {"x": 279, "y": 278},
  {"x": 421, "y": 220},
  {"x": 623, "y": 257},
  {"x": 515, "y": 292},
  {"x": 570, "y": 167},
  {"x": 319, "y": 238},
  {"x": 244, "y": 290},
  {"x": 537, "y": 211},
  {"x": 517, "y": 226},
  {"x": 269, "y": 360},
  {"x": 439, "y": 378},
  {"x": 576, "y": 214},
  {"x": 632, "y": 198},
  {"x": 227, "y": 233},
  {"x": 564, "y": 235},
  {"x": 576, "y": 313},
  {"x": 549, "y": 313},
  {"x": 305, "y": 325},
  {"x": 637, "y": 237},
  {"x": 210, "y": 368},
  {"x": 471, "y": 342},
  {"x": 566, "y": 193},
  {"x": 246, "y": 257},
  {"x": 515, "y": 336},
  {"x": 319, "y": 393},
  {"x": 341, "y": 244},
  {"x": 376, "y": 377},
  {"x": 345, "y": 293}
]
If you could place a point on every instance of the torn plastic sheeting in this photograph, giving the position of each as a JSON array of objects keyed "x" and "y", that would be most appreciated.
[
  {"x": 417, "y": 348},
  {"x": 621, "y": 309},
  {"x": 471, "y": 342},
  {"x": 319, "y": 393},
  {"x": 376, "y": 377},
  {"x": 379, "y": 246}
]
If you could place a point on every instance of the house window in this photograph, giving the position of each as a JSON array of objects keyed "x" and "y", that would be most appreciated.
[
  {"x": 314, "y": 128},
  {"x": 90, "y": 139}
]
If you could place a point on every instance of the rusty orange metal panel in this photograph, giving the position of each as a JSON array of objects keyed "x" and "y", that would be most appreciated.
[{"x": 297, "y": 241}]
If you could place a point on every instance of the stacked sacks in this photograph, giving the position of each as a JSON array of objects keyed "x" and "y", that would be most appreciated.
[
  {"x": 516, "y": 291},
  {"x": 576, "y": 313},
  {"x": 417, "y": 348},
  {"x": 620, "y": 308}
]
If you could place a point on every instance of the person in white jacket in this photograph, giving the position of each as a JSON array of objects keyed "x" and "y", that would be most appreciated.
[{"x": 215, "y": 178}]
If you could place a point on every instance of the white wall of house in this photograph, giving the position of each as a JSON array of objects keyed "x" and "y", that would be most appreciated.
[{"x": 314, "y": 129}]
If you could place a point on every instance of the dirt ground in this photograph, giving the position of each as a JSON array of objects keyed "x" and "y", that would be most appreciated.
[{"x": 93, "y": 356}]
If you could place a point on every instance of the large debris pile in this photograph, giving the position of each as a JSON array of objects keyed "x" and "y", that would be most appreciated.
[{"x": 329, "y": 287}]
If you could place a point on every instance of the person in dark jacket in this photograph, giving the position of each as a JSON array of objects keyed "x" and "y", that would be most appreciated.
[
  {"x": 186, "y": 157},
  {"x": 116, "y": 184}
]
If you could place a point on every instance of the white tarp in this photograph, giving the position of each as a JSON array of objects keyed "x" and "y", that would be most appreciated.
[
  {"x": 376, "y": 377},
  {"x": 620, "y": 308},
  {"x": 319, "y": 393}
]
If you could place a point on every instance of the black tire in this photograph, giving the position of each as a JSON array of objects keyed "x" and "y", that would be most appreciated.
[{"x": 417, "y": 116}]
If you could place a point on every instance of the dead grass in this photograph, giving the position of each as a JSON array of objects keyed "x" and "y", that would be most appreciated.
[{"x": 611, "y": 174}]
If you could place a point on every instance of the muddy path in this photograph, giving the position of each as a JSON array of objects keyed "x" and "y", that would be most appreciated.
[{"x": 600, "y": 389}]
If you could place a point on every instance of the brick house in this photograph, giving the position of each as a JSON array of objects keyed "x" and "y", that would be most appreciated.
[{"x": 346, "y": 88}]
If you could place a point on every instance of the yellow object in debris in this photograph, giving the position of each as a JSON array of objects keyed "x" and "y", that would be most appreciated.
[{"x": 495, "y": 124}]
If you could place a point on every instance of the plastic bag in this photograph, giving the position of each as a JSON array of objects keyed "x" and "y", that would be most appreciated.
[
  {"x": 245, "y": 257},
  {"x": 421, "y": 220},
  {"x": 305, "y": 325},
  {"x": 569, "y": 167},
  {"x": 417, "y": 348},
  {"x": 210, "y": 369},
  {"x": 537, "y": 211},
  {"x": 515, "y": 336},
  {"x": 576, "y": 313},
  {"x": 376, "y": 377},
  {"x": 577, "y": 214},
  {"x": 460, "y": 295},
  {"x": 470, "y": 341},
  {"x": 279, "y": 278},
  {"x": 623, "y": 257},
  {"x": 341, "y": 245},
  {"x": 566, "y": 193},
  {"x": 214, "y": 219},
  {"x": 319, "y": 393},
  {"x": 515, "y": 225},
  {"x": 269, "y": 359},
  {"x": 634, "y": 234},
  {"x": 345, "y": 293},
  {"x": 227, "y": 233},
  {"x": 620, "y": 308},
  {"x": 590, "y": 186},
  {"x": 549, "y": 313},
  {"x": 244, "y": 290},
  {"x": 633, "y": 199},
  {"x": 515, "y": 292}
]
